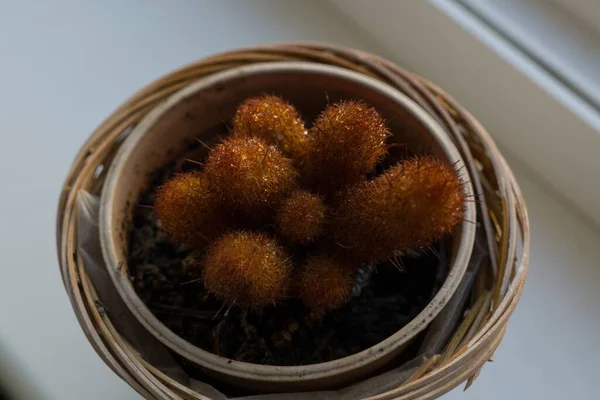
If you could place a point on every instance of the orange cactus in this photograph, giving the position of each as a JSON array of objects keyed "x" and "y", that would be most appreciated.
[
  {"x": 188, "y": 211},
  {"x": 273, "y": 120},
  {"x": 249, "y": 175},
  {"x": 409, "y": 206},
  {"x": 345, "y": 143},
  {"x": 247, "y": 269},
  {"x": 301, "y": 217},
  {"x": 324, "y": 283}
]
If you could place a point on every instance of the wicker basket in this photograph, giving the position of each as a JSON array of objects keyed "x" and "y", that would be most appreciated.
[{"x": 502, "y": 220}]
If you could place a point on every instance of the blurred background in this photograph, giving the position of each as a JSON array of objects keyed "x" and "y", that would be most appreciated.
[{"x": 529, "y": 70}]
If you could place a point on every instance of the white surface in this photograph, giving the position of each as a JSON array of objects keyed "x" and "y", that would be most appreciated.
[
  {"x": 560, "y": 40},
  {"x": 66, "y": 65}
]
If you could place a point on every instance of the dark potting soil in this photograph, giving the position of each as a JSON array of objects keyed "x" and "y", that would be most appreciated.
[{"x": 385, "y": 299}]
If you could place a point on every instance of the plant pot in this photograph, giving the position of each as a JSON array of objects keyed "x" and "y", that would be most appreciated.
[{"x": 198, "y": 111}]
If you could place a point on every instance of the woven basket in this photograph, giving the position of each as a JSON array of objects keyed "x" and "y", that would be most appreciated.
[{"x": 502, "y": 219}]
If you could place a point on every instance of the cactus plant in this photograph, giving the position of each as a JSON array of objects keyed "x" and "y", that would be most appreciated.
[
  {"x": 301, "y": 218},
  {"x": 351, "y": 220},
  {"x": 344, "y": 144},
  {"x": 324, "y": 283},
  {"x": 246, "y": 268},
  {"x": 409, "y": 206},
  {"x": 273, "y": 120},
  {"x": 249, "y": 175},
  {"x": 188, "y": 211}
]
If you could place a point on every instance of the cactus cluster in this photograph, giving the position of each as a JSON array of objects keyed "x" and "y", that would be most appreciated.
[{"x": 280, "y": 210}]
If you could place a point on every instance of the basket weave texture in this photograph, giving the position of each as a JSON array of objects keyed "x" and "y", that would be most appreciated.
[{"x": 502, "y": 219}]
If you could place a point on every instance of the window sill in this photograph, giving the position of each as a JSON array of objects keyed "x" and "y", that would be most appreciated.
[{"x": 529, "y": 113}]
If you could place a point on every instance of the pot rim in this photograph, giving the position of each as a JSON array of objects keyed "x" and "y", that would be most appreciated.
[{"x": 273, "y": 373}]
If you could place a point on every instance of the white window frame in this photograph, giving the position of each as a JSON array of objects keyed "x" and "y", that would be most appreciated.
[
  {"x": 531, "y": 114},
  {"x": 553, "y": 37}
]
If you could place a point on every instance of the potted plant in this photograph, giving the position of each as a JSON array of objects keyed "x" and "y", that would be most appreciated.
[
  {"x": 268, "y": 225},
  {"x": 272, "y": 212}
]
